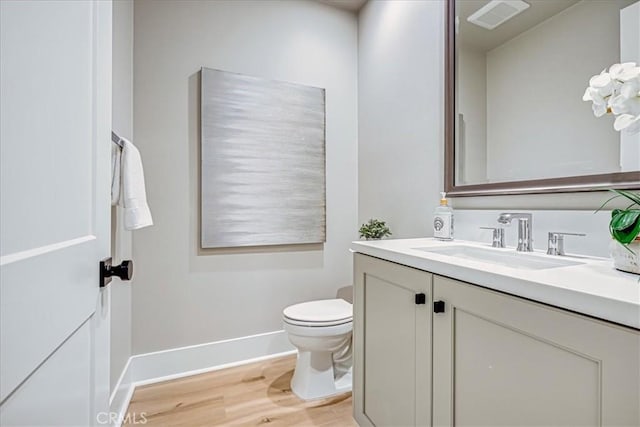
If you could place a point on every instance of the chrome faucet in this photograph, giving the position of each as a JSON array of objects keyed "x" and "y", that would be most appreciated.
[{"x": 525, "y": 229}]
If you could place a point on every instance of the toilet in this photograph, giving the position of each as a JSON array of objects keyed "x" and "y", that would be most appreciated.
[{"x": 321, "y": 331}]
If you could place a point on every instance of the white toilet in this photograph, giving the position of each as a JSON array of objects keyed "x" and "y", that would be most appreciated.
[{"x": 321, "y": 331}]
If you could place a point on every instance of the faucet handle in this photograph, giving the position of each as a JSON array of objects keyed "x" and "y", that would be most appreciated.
[
  {"x": 556, "y": 242},
  {"x": 498, "y": 236}
]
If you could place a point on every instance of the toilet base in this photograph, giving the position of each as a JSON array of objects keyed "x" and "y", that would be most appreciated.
[{"x": 314, "y": 378}]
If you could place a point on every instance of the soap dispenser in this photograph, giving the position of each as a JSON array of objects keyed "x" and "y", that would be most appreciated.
[{"x": 443, "y": 220}]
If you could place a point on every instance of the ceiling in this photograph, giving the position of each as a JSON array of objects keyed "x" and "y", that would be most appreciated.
[
  {"x": 351, "y": 5},
  {"x": 478, "y": 38}
]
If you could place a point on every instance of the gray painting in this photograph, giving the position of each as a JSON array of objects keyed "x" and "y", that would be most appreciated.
[{"x": 263, "y": 161}]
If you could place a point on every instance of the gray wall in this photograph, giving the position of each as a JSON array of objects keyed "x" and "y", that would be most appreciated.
[
  {"x": 182, "y": 294},
  {"x": 400, "y": 122},
  {"x": 588, "y": 201},
  {"x": 120, "y": 239},
  {"x": 545, "y": 106},
  {"x": 400, "y": 113},
  {"x": 471, "y": 96},
  {"x": 391, "y": 87}
]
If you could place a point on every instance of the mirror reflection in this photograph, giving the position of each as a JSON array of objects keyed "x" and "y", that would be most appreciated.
[{"x": 521, "y": 71}]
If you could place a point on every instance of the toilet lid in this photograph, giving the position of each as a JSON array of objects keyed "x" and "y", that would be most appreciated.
[{"x": 321, "y": 311}]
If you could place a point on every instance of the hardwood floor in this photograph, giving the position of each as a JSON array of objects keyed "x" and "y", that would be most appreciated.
[{"x": 248, "y": 395}]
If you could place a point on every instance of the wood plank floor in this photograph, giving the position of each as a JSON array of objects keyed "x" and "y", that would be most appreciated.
[{"x": 248, "y": 395}]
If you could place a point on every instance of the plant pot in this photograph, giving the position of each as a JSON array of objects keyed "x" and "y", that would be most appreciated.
[{"x": 626, "y": 258}]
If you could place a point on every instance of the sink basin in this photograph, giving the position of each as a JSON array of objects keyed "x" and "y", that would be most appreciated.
[{"x": 508, "y": 258}]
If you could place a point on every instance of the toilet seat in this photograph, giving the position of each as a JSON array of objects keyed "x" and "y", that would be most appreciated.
[
  {"x": 316, "y": 324},
  {"x": 321, "y": 313},
  {"x": 318, "y": 330}
]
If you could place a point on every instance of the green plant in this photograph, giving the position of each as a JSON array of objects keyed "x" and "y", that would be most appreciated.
[
  {"x": 374, "y": 229},
  {"x": 625, "y": 223}
]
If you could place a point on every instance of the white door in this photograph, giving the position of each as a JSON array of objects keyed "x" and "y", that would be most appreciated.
[{"x": 55, "y": 109}]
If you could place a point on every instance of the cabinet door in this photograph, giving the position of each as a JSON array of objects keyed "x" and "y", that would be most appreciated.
[
  {"x": 392, "y": 366},
  {"x": 500, "y": 360}
]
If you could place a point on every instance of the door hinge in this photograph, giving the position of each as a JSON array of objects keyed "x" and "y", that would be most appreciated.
[
  {"x": 421, "y": 298},
  {"x": 438, "y": 306}
]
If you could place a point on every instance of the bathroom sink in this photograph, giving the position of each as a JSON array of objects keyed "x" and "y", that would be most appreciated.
[{"x": 505, "y": 257}]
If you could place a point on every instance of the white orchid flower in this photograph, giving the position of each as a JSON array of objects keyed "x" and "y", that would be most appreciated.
[
  {"x": 599, "y": 109},
  {"x": 618, "y": 104},
  {"x": 599, "y": 105},
  {"x": 628, "y": 123},
  {"x": 624, "y": 71},
  {"x": 602, "y": 84},
  {"x": 617, "y": 91},
  {"x": 592, "y": 94},
  {"x": 631, "y": 88},
  {"x": 587, "y": 94}
]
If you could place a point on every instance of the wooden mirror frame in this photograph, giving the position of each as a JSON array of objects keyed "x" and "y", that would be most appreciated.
[{"x": 622, "y": 180}]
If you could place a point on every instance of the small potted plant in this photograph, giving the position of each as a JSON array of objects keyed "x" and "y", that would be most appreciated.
[
  {"x": 625, "y": 230},
  {"x": 374, "y": 230}
]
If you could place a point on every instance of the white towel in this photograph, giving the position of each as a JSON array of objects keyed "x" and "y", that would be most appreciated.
[
  {"x": 116, "y": 153},
  {"x": 127, "y": 186}
]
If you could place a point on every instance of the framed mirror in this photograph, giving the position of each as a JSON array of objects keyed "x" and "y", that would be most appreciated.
[{"x": 516, "y": 72}]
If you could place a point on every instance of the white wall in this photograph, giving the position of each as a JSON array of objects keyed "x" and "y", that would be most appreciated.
[
  {"x": 184, "y": 295},
  {"x": 534, "y": 101},
  {"x": 400, "y": 113},
  {"x": 122, "y": 118}
]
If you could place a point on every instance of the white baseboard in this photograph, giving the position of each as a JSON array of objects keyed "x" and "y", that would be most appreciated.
[{"x": 165, "y": 365}]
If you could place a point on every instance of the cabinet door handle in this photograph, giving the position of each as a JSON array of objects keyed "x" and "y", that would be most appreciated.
[
  {"x": 438, "y": 306},
  {"x": 421, "y": 299}
]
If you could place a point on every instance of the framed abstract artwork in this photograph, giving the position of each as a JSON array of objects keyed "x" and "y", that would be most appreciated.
[{"x": 262, "y": 162}]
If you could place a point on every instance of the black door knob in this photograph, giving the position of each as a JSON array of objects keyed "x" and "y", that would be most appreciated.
[{"x": 124, "y": 271}]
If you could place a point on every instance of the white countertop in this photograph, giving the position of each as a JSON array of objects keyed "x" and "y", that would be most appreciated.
[{"x": 594, "y": 288}]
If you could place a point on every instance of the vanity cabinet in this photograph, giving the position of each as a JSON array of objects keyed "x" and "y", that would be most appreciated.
[
  {"x": 392, "y": 344},
  {"x": 497, "y": 359},
  {"x": 504, "y": 360}
]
